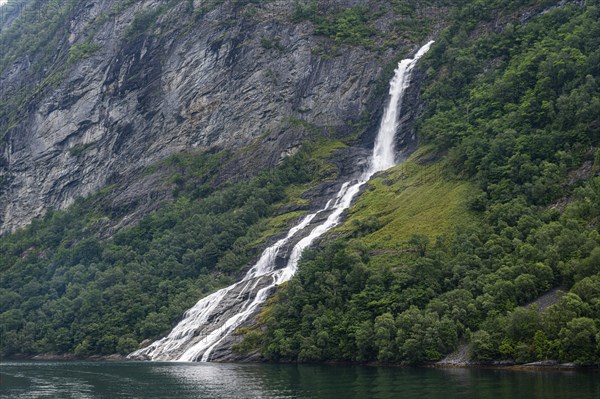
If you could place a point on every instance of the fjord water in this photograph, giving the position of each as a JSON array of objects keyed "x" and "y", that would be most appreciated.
[
  {"x": 132, "y": 380},
  {"x": 216, "y": 316}
]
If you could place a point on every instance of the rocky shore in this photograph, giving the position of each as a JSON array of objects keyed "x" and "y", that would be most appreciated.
[{"x": 65, "y": 357}]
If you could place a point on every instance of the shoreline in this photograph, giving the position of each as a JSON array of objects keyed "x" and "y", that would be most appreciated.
[
  {"x": 549, "y": 365},
  {"x": 65, "y": 357}
]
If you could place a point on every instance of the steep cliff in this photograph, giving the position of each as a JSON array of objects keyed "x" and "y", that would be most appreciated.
[{"x": 126, "y": 84}]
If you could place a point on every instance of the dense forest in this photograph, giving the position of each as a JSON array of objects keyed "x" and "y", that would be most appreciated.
[
  {"x": 499, "y": 206},
  {"x": 65, "y": 290},
  {"x": 517, "y": 114}
]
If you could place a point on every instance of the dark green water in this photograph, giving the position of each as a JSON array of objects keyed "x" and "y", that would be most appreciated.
[{"x": 201, "y": 380}]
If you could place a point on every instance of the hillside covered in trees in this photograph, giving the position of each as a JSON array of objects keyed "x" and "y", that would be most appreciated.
[
  {"x": 516, "y": 114},
  {"x": 498, "y": 206}
]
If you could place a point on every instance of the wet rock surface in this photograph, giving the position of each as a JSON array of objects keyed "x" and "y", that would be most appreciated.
[{"x": 209, "y": 83}]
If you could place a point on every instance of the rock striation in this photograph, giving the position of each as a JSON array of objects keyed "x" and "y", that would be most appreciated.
[{"x": 222, "y": 75}]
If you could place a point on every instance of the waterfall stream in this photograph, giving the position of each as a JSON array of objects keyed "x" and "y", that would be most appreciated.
[{"x": 216, "y": 316}]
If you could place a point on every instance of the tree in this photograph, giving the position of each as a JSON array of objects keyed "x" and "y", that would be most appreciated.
[
  {"x": 482, "y": 346},
  {"x": 385, "y": 334},
  {"x": 579, "y": 341},
  {"x": 420, "y": 242}
]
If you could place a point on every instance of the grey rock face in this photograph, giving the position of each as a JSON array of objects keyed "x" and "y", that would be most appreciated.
[{"x": 213, "y": 81}]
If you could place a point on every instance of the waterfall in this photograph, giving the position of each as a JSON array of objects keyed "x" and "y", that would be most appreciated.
[
  {"x": 384, "y": 151},
  {"x": 216, "y": 316}
]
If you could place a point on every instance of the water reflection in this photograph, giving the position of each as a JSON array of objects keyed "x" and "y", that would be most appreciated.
[
  {"x": 230, "y": 380},
  {"x": 25, "y": 380}
]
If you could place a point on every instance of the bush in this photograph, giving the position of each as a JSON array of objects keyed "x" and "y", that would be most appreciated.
[{"x": 81, "y": 51}]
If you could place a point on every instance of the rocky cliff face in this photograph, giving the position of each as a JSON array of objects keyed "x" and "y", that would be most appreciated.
[{"x": 222, "y": 78}]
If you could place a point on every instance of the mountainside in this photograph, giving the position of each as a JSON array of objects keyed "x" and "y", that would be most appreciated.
[
  {"x": 122, "y": 85},
  {"x": 152, "y": 149}
]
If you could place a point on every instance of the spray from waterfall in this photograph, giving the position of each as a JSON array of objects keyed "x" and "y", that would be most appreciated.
[{"x": 205, "y": 326}]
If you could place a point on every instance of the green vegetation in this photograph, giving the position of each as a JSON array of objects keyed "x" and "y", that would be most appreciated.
[
  {"x": 517, "y": 113},
  {"x": 518, "y": 131},
  {"x": 269, "y": 44},
  {"x": 501, "y": 205},
  {"x": 66, "y": 290},
  {"x": 349, "y": 26},
  {"x": 414, "y": 302},
  {"x": 410, "y": 199},
  {"x": 21, "y": 41},
  {"x": 143, "y": 22},
  {"x": 63, "y": 288},
  {"x": 357, "y": 25},
  {"x": 82, "y": 50},
  {"x": 23, "y": 35}
]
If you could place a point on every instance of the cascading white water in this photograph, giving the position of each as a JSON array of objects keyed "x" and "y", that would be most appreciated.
[
  {"x": 384, "y": 151},
  {"x": 208, "y": 323}
]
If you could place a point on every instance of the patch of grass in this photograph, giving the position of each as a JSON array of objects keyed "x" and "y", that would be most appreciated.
[
  {"x": 321, "y": 151},
  {"x": 294, "y": 194},
  {"x": 323, "y": 148},
  {"x": 277, "y": 225},
  {"x": 410, "y": 199}
]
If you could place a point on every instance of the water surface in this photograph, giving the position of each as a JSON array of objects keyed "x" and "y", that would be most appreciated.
[{"x": 209, "y": 380}]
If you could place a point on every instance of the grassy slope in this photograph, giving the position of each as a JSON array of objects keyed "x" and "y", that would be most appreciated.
[{"x": 412, "y": 198}]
